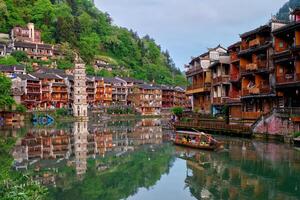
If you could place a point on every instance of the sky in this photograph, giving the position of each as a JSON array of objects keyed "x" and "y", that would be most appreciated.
[{"x": 188, "y": 27}]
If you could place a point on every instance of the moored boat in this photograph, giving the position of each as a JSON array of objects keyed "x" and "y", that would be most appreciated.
[{"x": 197, "y": 140}]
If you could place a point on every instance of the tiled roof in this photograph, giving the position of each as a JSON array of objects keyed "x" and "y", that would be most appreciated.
[
  {"x": 148, "y": 87},
  {"x": 27, "y": 77},
  {"x": 129, "y": 79},
  {"x": 45, "y": 75},
  {"x": 51, "y": 71},
  {"x": 11, "y": 68},
  {"x": 112, "y": 80},
  {"x": 263, "y": 28}
]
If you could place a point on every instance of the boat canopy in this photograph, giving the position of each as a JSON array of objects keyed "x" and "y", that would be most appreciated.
[{"x": 190, "y": 133}]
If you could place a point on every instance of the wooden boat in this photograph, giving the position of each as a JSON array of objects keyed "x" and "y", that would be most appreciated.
[{"x": 197, "y": 140}]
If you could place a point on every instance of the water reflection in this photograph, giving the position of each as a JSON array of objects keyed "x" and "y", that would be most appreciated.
[
  {"x": 72, "y": 146},
  {"x": 130, "y": 159},
  {"x": 246, "y": 170}
]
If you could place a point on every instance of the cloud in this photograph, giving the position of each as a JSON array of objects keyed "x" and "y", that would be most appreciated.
[{"x": 187, "y": 27}]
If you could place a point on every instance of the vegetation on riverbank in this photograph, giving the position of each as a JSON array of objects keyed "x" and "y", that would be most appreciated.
[{"x": 6, "y": 100}]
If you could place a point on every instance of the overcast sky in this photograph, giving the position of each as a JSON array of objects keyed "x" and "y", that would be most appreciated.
[{"x": 188, "y": 27}]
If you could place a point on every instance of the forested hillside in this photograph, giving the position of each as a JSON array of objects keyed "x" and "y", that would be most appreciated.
[
  {"x": 80, "y": 25},
  {"x": 284, "y": 11}
]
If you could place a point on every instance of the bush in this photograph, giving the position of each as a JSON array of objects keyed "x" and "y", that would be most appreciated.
[
  {"x": 178, "y": 111},
  {"x": 296, "y": 134},
  {"x": 61, "y": 112},
  {"x": 20, "y": 56},
  {"x": 21, "y": 108}
]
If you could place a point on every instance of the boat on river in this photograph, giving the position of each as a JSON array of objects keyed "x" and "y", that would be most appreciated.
[{"x": 198, "y": 140}]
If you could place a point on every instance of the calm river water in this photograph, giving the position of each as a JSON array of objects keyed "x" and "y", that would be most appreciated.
[{"x": 135, "y": 160}]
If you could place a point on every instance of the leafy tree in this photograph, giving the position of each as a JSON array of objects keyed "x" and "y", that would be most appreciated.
[
  {"x": 89, "y": 46},
  {"x": 20, "y": 56},
  {"x": 178, "y": 111},
  {"x": 90, "y": 70},
  {"x": 8, "y": 60},
  {"x": 5, "y": 92}
]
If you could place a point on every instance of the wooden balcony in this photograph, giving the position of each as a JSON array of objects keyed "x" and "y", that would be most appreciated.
[
  {"x": 259, "y": 65},
  {"x": 255, "y": 42},
  {"x": 198, "y": 88},
  {"x": 193, "y": 71},
  {"x": 220, "y": 100},
  {"x": 288, "y": 78},
  {"x": 251, "y": 67},
  {"x": 251, "y": 115},
  {"x": 30, "y": 84},
  {"x": 31, "y": 91},
  {"x": 221, "y": 79},
  {"x": 257, "y": 90},
  {"x": 59, "y": 90}
]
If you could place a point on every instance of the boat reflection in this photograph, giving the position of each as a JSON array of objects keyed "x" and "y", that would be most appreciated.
[{"x": 246, "y": 170}]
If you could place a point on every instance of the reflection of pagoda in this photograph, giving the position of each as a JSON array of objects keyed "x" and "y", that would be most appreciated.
[{"x": 80, "y": 134}]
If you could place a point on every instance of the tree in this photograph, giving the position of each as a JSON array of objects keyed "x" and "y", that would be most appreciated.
[
  {"x": 89, "y": 46},
  {"x": 178, "y": 111},
  {"x": 8, "y": 60},
  {"x": 20, "y": 56},
  {"x": 5, "y": 92}
]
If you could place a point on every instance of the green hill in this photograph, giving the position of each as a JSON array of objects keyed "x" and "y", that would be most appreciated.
[
  {"x": 284, "y": 11},
  {"x": 80, "y": 25}
]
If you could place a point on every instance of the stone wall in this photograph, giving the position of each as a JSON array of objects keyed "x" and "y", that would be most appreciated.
[{"x": 275, "y": 124}]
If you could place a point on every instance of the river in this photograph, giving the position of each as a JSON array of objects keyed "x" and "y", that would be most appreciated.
[{"x": 134, "y": 159}]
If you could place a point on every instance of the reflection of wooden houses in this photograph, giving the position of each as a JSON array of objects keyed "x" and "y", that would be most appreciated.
[
  {"x": 46, "y": 144},
  {"x": 104, "y": 142},
  {"x": 10, "y": 117},
  {"x": 147, "y": 132}
]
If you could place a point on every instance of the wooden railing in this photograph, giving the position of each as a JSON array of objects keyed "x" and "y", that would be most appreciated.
[
  {"x": 193, "y": 70},
  {"x": 288, "y": 78},
  {"x": 256, "y": 90},
  {"x": 204, "y": 86},
  {"x": 251, "y": 115},
  {"x": 214, "y": 126},
  {"x": 59, "y": 90},
  {"x": 221, "y": 79}
]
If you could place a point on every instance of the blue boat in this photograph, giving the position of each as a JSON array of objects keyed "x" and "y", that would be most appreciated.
[{"x": 44, "y": 120}]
